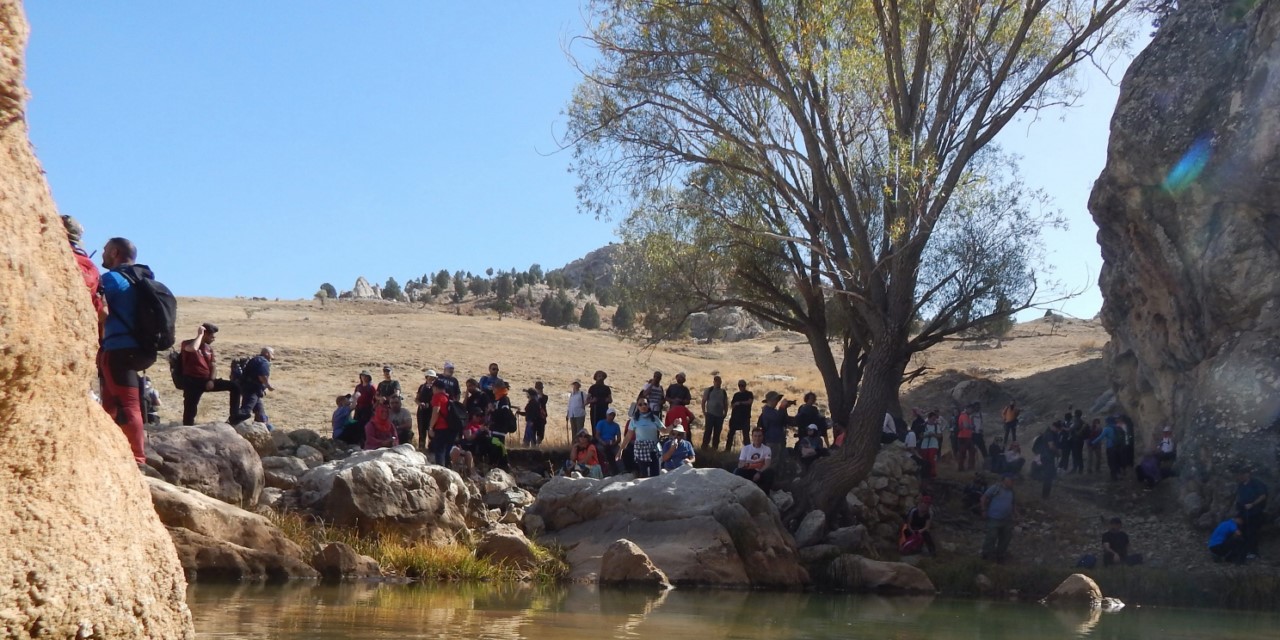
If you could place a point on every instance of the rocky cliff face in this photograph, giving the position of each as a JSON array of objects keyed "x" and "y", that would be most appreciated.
[
  {"x": 84, "y": 555},
  {"x": 1188, "y": 210}
]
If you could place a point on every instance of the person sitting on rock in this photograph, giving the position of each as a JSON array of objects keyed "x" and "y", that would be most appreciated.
[
  {"x": 1226, "y": 543},
  {"x": 919, "y": 521},
  {"x": 462, "y": 461},
  {"x": 1115, "y": 544},
  {"x": 810, "y": 447},
  {"x": 1013, "y": 460},
  {"x": 678, "y": 450},
  {"x": 379, "y": 432},
  {"x": 1166, "y": 452},
  {"x": 583, "y": 457},
  {"x": 754, "y": 461},
  {"x": 1148, "y": 469}
]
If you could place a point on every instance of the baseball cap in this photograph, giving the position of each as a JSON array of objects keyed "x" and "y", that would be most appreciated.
[{"x": 611, "y": 412}]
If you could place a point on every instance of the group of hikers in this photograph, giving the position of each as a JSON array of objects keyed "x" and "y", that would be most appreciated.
[{"x": 462, "y": 424}]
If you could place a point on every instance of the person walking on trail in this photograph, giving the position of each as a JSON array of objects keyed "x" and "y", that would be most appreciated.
[
  {"x": 575, "y": 414},
  {"x": 999, "y": 510},
  {"x": 198, "y": 374},
  {"x": 715, "y": 406},
  {"x": 599, "y": 397},
  {"x": 1011, "y": 414},
  {"x": 739, "y": 414},
  {"x": 120, "y": 357},
  {"x": 255, "y": 382}
]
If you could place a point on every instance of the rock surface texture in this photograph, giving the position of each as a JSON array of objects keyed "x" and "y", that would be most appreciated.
[
  {"x": 389, "y": 489},
  {"x": 624, "y": 563},
  {"x": 699, "y": 526},
  {"x": 84, "y": 554},
  {"x": 212, "y": 459},
  {"x": 1190, "y": 236},
  {"x": 879, "y": 502},
  {"x": 862, "y": 574}
]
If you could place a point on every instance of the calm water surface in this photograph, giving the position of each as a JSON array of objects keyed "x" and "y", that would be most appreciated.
[{"x": 371, "y": 612}]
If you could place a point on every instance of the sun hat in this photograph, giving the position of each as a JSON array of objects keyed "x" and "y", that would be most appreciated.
[{"x": 431, "y": 373}]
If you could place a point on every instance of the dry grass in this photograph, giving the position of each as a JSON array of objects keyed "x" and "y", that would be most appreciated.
[
  {"x": 321, "y": 348},
  {"x": 455, "y": 562}
]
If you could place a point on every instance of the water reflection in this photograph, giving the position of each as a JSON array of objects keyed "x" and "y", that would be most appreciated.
[{"x": 374, "y": 611}]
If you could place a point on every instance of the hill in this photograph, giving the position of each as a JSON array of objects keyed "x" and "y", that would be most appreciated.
[{"x": 321, "y": 348}]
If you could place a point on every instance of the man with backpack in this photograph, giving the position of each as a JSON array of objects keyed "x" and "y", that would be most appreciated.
[
  {"x": 255, "y": 382},
  {"x": 198, "y": 365},
  {"x": 130, "y": 339},
  {"x": 445, "y": 427}
]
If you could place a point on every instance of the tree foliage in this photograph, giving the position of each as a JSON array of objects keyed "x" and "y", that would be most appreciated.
[
  {"x": 391, "y": 290},
  {"x": 624, "y": 319},
  {"x": 503, "y": 287},
  {"x": 590, "y": 317},
  {"x": 558, "y": 310},
  {"x": 785, "y": 156},
  {"x": 329, "y": 290}
]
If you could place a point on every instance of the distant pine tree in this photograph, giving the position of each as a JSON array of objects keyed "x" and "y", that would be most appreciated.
[
  {"x": 624, "y": 319},
  {"x": 590, "y": 317}
]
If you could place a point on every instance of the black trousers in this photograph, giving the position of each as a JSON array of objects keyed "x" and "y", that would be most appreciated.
[
  {"x": 193, "y": 389},
  {"x": 711, "y": 432}
]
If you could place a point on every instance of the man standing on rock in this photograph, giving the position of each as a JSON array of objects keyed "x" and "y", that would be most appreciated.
[
  {"x": 120, "y": 358},
  {"x": 599, "y": 397},
  {"x": 1251, "y": 502},
  {"x": 999, "y": 510},
  {"x": 678, "y": 393},
  {"x": 198, "y": 367},
  {"x": 740, "y": 414},
  {"x": 255, "y": 382},
  {"x": 715, "y": 404},
  {"x": 773, "y": 420}
]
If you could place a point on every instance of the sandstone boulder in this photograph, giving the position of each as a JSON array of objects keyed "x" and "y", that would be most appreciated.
[
  {"x": 506, "y": 544},
  {"x": 212, "y": 459},
  {"x": 338, "y": 561},
  {"x": 1186, "y": 220},
  {"x": 306, "y": 437},
  {"x": 309, "y": 455},
  {"x": 362, "y": 290},
  {"x": 624, "y": 563},
  {"x": 700, "y": 526},
  {"x": 389, "y": 489},
  {"x": 862, "y": 574},
  {"x": 258, "y": 436},
  {"x": 1077, "y": 589},
  {"x": 812, "y": 529},
  {"x": 274, "y": 555},
  {"x": 84, "y": 555}
]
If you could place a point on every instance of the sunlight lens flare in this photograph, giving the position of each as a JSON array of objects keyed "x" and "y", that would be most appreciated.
[{"x": 1190, "y": 165}]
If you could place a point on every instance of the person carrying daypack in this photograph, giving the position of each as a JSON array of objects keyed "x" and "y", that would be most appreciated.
[
  {"x": 133, "y": 329},
  {"x": 255, "y": 382}
]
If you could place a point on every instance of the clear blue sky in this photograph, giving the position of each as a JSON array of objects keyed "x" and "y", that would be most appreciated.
[{"x": 263, "y": 148}]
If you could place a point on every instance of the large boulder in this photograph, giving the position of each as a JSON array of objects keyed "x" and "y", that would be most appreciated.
[
  {"x": 389, "y": 489},
  {"x": 624, "y": 563},
  {"x": 362, "y": 290},
  {"x": 83, "y": 555},
  {"x": 700, "y": 526},
  {"x": 862, "y": 574},
  {"x": 212, "y": 459},
  {"x": 1187, "y": 223},
  {"x": 506, "y": 544},
  {"x": 259, "y": 437},
  {"x": 220, "y": 535},
  {"x": 1077, "y": 589}
]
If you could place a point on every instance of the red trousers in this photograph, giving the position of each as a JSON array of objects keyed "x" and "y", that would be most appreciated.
[{"x": 120, "y": 394}]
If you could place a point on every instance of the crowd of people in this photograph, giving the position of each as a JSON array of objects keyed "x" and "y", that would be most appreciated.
[{"x": 463, "y": 424}]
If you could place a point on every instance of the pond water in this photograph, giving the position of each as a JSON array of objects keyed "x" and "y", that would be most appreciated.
[{"x": 373, "y": 611}]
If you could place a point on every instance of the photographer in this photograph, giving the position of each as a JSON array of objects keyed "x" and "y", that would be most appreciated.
[{"x": 773, "y": 423}]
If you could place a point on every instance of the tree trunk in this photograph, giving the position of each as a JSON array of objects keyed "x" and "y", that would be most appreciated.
[{"x": 833, "y": 477}]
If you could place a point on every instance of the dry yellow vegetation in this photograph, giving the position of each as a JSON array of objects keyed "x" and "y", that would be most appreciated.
[{"x": 320, "y": 349}]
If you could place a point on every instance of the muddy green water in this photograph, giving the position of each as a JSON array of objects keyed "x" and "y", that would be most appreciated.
[{"x": 370, "y": 612}]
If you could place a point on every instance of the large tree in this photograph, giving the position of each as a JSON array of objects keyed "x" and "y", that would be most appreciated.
[{"x": 828, "y": 165}]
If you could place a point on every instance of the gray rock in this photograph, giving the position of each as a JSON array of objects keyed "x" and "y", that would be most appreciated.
[
  {"x": 270, "y": 498},
  {"x": 258, "y": 436},
  {"x": 506, "y": 544},
  {"x": 1190, "y": 270},
  {"x": 533, "y": 524},
  {"x": 338, "y": 561},
  {"x": 782, "y": 500},
  {"x": 819, "y": 553},
  {"x": 862, "y": 574},
  {"x": 279, "y": 480},
  {"x": 722, "y": 530},
  {"x": 1077, "y": 589},
  {"x": 849, "y": 539},
  {"x": 514, "y": 496},
  {"x": 309, "y": 455},
  {"x": 302, "y": 437},
  {"x": 212, "y": 459},
  {"x": 285, "y": 464},
  {"x": 625, "y": 563},
  {"x": 811, "y": 529},
  {"x": 389, "y": 489},
  {"x": 361, "y": 290}
]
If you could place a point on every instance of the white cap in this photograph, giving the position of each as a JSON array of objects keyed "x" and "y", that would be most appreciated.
[
  {"x": 813, "y": 427},
  {"x": 679, "y": 428},
  {"x": 431, "y": 373}
]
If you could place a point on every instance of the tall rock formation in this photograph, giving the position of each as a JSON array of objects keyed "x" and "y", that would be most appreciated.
[
  {"x": 1188, "y": 211},
  {"x": 84, "y": 555}
]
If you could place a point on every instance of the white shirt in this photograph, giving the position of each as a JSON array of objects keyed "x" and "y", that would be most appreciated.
[
  {"x": 577, "y": 405},
  {"x": 889, "y": 426},
  {"x": 751, "y": 453},
  {"x": 976, "y": 417},
  {"x": 1166, "y": 445}
]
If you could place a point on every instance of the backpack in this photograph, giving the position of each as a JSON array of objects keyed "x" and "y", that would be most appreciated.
[
  {"x": 909, "y": 542},
  {"x": 155, "y": 312},
  {"x": 175, "y": 368},
  {"x": 455, "y": 417},
  {"x": 503, "y": 421},
  {"x": 238, "y": 365}
]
